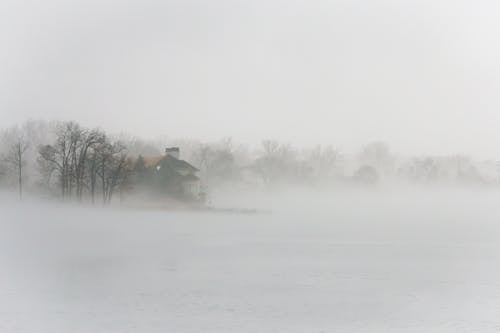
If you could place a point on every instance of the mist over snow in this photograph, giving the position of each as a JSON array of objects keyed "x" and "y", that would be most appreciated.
[{"x": 352, "y": 261}]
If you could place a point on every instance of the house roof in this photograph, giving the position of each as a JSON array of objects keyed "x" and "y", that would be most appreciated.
[
  {"x": 178, "y": 164},
  {"x": 152, "y": 160}
]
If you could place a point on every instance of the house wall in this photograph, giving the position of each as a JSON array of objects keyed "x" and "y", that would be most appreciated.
[{"x": 191, "y": 188}]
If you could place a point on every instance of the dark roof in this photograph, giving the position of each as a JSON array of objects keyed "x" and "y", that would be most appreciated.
[
  {"x": 173, "y": 162},
  {"x": 178, "y": 164}
]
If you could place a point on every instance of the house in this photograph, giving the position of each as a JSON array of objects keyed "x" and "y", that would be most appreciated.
[{"x": 168, "y": 174}]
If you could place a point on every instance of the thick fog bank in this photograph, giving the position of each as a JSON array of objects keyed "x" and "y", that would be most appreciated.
[{"x": 351, "y": 261}]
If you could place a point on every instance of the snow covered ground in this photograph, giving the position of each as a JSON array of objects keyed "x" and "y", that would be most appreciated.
[{"x": 400, "y": 261}]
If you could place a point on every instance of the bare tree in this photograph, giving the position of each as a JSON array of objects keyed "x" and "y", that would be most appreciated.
[
  {"x": 69, "y": 155},
  {"x": 92, "y": 171},
  {"x": 15, "y": 159},
  {"x": 324, "y": 161},
  {"x": 112, "y": 167},
  {"x": 84, "y": 159},
  {"x": 216, "y": 161},
  {"x": 378, "y": 155},
  {"x": 59, "y": 154},
  {"x": 279, "y": 162},
  {"x": 28, "y": 135},
  {"x": 87, "y": 141}
]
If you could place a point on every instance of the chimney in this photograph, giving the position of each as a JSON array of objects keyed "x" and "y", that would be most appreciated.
[{"x": 173, "y": 151}]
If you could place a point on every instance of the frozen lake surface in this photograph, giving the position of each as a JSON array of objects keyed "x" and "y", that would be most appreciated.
[{"x": 337, "y": 262}]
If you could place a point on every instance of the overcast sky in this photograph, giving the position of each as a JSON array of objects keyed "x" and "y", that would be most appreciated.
[{"x": 423, "y": 75}]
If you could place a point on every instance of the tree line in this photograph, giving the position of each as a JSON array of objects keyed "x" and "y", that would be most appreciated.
[{"x": 72, "y": 162}]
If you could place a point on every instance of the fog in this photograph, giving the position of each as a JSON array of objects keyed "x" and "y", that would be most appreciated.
[
  {"x": 249, "y": 166},
  {"x": 350, "y": 261},
  {"x": 421, "y": 75}
]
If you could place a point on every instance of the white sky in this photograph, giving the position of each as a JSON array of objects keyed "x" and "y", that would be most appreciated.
[{"x": 423, "y": 75}]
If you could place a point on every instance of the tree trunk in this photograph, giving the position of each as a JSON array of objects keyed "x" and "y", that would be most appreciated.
[{"x": 20, "y": 169}]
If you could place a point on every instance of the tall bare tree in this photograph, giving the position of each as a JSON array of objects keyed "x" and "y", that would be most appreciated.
[
  {"x": 16, "y": 160},
  {"x": 69, "y": 155},
  {"x": 324, "y": 161},
  {"x": 113, "y": 168},
  {"x": 59, "y": 154}
]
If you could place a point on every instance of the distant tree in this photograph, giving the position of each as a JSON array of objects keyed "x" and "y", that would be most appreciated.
[
  {"x": 324, "y": 161},
  {"x": 280, "y": 163},
  {"x": 378, "y": 155},
  {"x": 46, "y": 167},
  {"x": 15, "y": 158},
  {"x": 32, "y": 134},
  {"x": 87, "y": 140},
  {"x": 271, "y": 164},
  {"x": 61, "y": 155},
  {"x": 137, "y": 146},
  {"x": 94, "y": 157},
  {"x": 83, "y": 159},
  {"x": 3, "y": 171},
  {"x": 423, "y": 169},
  {"x": 466, "y": 171},
  {"x": 142, "y": 175},
  {"x": 216, "y": 161},
  {"x": 113, "y": 168},
  {"x": 366, "y": 174}
]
